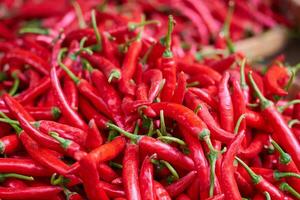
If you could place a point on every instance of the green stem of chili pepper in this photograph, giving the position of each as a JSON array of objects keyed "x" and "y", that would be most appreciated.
[
  {"x": 34, "y": 30},
  {"x": 290, "y": 103},
  {"x": 14, "y": 175},
  {"x": 172, "y": 139},
  {"x": 15, "y": 85},
  {"x": 170, "y": 168},
  {"x": 243, "y": 82},
  {"x": 292, "y": 122},
  {"x": 63, "y": 142},
  {"x": 225, "y": 30},
  {"x": 278, "y": 175},
  {"x": 168, "y": 39},
  {"x": 238, "y": 123},
  {"x": 284, "y": 157},
  {"x": 255, "y": 178},
  {"x": 64, "y": 67},
  {"x": 98, "y": 36},
  {"x": 287, "y": 188},
  {"x": 14, "y": 125},
  {"x": 79, "y": 15},
  {"x": 267, "y": 195},
  {"x": 163, "y": 128}
]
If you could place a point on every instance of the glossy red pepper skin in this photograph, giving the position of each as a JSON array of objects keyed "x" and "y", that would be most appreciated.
[
  {"x": 29, "y": 192},
  {"x": 90, "y": 178},
  {"x": 272, "y": 77},
  {"x": 239, "y": 103},
  {"x": 73, "y": 117},
  {"x": 109, "y": 150},
  {"x": 146, "y": 180},
  {"x": 182, "y": 115},
  {"x": 29, "y": 58},
  {"x": 201, "y": 164},
  {"x": 183, "y": 197},
  {"x": 70, "y": 92},
  {"x": 154, "y": 77},
  {"x": 161, "y": 192},
  {"x": 256, "y": 120},
  {"x": 90, "y": 112},
  {"x": 255, "y": 147},
  {"x": 14, "y": 183},
  {"x": 109, "y": 95},
  {"x": 103, "y": 64},
  {"x": 129, "y": 67},
  {"x": 204, "y": 96},
  {"x": 165, "y": 152},
  {"x": 63, "y": 130},
  {"x": 225, "y": 104},
  {"x": 94, "y": 137},
  {"x": 180, "y": 90},
  {"x": 182, "y": 184},
  {"x": 106, "y": 173},
  {"x": 9, "y": 144},
  {"x": 168, "y": 68},
  {"x": 216, "y": 131},
  {"x": 228, "y": 183},
  {"x": 130, "y": 172},
  {"x": 23, "y": 166},
  {"x": 113, "y": 191}
]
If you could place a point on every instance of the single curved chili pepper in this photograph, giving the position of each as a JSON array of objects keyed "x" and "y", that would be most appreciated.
[
  {"x": 67, "y": 111},
  {"x": 9, "y": 144},
  {"x": 180, "y": 185},
  {"x": 109, "y": 95},
  {"x": 255, "y": 147},
  {"x": 29, "y": 58},
  {"x": 201, "y": 80},
  {"x": 108, "y": 68},
  {"x": 262, "y": 184},
  {"x": 130, "y": 172},
  {"x": 201, "y": 164},
  {"x": 90, "y": 178},
  {"x": 71, "y": 93},
  {"x": 204, "y": 96},
  {"x": 94, "y": 137},
  {"x": 42, "y": 156},
  {"x": 129, "y": 67},
  {"x": 282, "y": 133},
  {"x": 161, "y": 192},
  {"x": 22, "y": 166},
  {"x": 155, "y": 78},
  {"x": 45, "y": 113},
  {"x": 29, "y": 192},
  {"x": 180, "y": 90},
  {"x": 239, "y": 105},
  {"x": 274, "y": 175},
  {"x": 63, "y": 130},
  {"x": 164, "y": 151},
  {"x": 256, "y": 120},
  {"x": 109, "y": 51},
  {"x": 109, "y": 150},
  {"x": 204, "y": 114},
  {"x": 182, "y": 115},
  {"x": 146, "y": 179},
  {"x": 228, "y": 183},
  {"x": 272, "y": 77},
  {"x": 225, "y": 104},
  {"x": 70, "y": 147},
  {"x": 90, "y": 113},
  {"x": 106, "y": 173},
  {"x": 113, "y": 191}
]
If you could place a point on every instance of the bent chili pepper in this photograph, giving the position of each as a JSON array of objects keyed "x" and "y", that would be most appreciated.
[
  {"x": 146, "y": 179},
  {"x": 161, "y": 192}
]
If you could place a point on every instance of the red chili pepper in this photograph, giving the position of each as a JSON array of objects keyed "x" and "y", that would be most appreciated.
[
  {"x": 164, "y": 151},
  {"x": 263, "y": 185},
  {"x": 109, "y": 150},
  {"x": 180, "y": 90},
  {"x": 29, "y": 58},
  {"x": 94, "y": 137},
  {"x": 282, "y": 133},
  {"x": 183, "y": 197},
  {"x": 239, "y": 104},
  {"x": 228, "y": 183},
  {"x": 225, "y": 104},
  {"x": 161, "y": 192},
  {"x": 201, "y": 164},
  {"x": 29, "y": 192},
  {"x": 204, "y": 96},
  {"x": 182, "y": 184},
  {"x": 130, "y": 172},
  {"x": 14, "y": 183},
  {"x": 155, "y": 78},
  {"x": 244, "y": 184},
  {"x": 106, "y": 173},
  {"x": 204, "y": 114},
  {"x": 142, "y": 92},
  {"x": 90, "y": 178},
  {"x": 67, "y": 111},
  {"x": 71, "y": 93},
  {"x": 113, "y": 191},
  {"x": 24, "y": 166},
  {"x": 146, "y": 179},
  {"x": 106, "y": 66},
  {"x": 9, "y": 144},
  {"x": 256, "y": 120},
  {"x": 272, "y": 77}
]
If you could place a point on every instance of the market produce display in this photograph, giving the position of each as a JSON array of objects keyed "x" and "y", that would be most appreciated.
[{"x": 115, "y": 100}]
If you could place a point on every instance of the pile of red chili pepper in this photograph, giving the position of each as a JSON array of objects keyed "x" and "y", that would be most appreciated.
[{"x": 93, "y": 113}]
